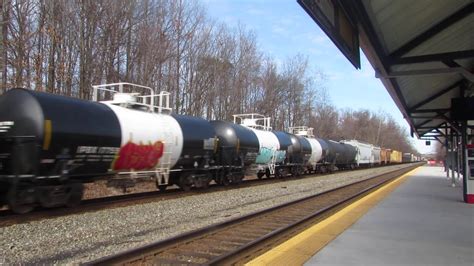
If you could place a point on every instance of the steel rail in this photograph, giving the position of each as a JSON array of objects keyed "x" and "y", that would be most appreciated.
[
  {"x": 7, "y": 217},
  {"x": 136, "y": 255}
]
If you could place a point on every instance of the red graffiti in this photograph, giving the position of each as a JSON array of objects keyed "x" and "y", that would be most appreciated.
[{"x": 138, "y": 156}]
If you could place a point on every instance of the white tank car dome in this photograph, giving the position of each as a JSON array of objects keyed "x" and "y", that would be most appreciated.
[
  {"x": 133, "y": 96},
  {"x": 125, "y": 98},
  {"x": 303, "y": 131},
  {"x": 255, "y": 121}
]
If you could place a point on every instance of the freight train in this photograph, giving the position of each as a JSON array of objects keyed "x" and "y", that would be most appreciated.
[{"x": 51, "y": 145}]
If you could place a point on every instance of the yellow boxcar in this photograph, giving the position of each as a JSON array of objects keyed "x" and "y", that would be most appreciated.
[
  {"x": 385, "y": 156},
  {"x": 396, "y": 156}
]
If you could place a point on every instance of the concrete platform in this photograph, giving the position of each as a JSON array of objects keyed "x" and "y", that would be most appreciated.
[{"x": 424, "y": 221}]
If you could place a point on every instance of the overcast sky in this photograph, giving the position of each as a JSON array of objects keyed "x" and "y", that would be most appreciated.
[{"x": 284, "y": 29}]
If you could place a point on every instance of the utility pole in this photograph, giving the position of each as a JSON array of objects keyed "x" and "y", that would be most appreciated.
[{"x": 378, "y": 132}]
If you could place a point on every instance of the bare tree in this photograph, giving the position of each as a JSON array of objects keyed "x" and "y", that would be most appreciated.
[{"x": 212, "y": 70}]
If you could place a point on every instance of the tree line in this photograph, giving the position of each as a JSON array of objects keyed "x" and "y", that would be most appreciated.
[{"x": 210, "y": 69}]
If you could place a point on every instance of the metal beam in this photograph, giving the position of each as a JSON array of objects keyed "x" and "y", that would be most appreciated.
[
  {"x": 465, "y": 72},
  {"x": 429, "y": 72},
  {"x": 465, "y": 165},
  {"x": 432, "y": 135},
  {"x": 431, "y": 57},
  {"x": 445, "y": 118},
  {"x": 424, "y": 116},
  {"x": 444, "y": 145},
  {"x": 438, "y": 117},
  {"x": 440, "y": 132},
  {"x": 357, "y": 8},
  {"x": 451, "y": 123},
  {"x": 437, "y": 110},
  {"x": 445, "y": 23},
  {"x": 436, "y": 95},
  {"x": 424, "y": 123},
  {"x": 432, "y": 127},
  {"x": 451, "y": 63}
]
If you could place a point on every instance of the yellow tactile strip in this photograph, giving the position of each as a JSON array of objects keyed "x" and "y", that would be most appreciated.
[{"x": 300, "y": 248}]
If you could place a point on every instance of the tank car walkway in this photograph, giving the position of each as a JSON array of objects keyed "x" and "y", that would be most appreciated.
[{"x": 423, "y": 221}]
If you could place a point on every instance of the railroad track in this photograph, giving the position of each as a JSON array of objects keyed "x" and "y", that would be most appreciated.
[
  {"x": 7, "y": 217},
  {"x": 238, "y": 240}
]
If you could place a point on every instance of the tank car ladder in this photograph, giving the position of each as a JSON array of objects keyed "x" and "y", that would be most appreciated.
[
  {"x": 272, "y": 164},
  {"x": 162, "y": 172}
]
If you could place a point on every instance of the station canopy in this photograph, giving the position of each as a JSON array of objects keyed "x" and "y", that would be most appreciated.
[{"x": 422, "y": 51}]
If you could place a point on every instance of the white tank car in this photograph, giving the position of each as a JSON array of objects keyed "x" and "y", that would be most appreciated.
[
  {"x": 364, "y": 155},
  {"x": 151, "y": 139},
  {"x": 268, "y": 142},
  {"x": 269, "y": 147},
  {"x": 316, "y": 149},
  {"x": 142, "y": 130}
]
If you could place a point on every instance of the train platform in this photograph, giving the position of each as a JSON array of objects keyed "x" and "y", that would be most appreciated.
[{"x": 417, "y": 219}]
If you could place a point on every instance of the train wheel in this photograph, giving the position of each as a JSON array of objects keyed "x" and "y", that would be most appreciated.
[
  {"x": 322, "y": 169},
  {"x": 237, "y": 179},
  {"x": 260, "y": 175},
  {"x": 296, "y": 171},
  {"x": 20, "y": 201},
  {"x": 299, "y": 171},
  {"x": 185, "y": 182},
  {"x": 267, "y": 173},
  {"x": 225, "y": 181},
  {"x": 160, "y": 187},
  {"x": 75, "y": 195},
  {"x": 278, "y": 174},
  {"x": 202, "y": 181}
]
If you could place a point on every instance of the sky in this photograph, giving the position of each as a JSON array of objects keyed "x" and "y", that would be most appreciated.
[{"x": 283, "y": 29}]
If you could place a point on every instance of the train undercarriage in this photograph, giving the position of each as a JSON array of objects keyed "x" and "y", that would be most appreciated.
[{"x": 22, "y": 195}]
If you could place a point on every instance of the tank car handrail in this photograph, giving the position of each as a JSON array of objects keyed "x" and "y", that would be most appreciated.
[
  {"x": 163, "y": 97},
  {"x": 253, "y": 117},
  {"x": 120, "y": 88},
  {"x": 304, "y": 131}
]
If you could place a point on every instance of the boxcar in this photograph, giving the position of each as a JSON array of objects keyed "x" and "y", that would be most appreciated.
[
  {"x": 395, "y": 156},
  {"x": 385, "y": 156}
]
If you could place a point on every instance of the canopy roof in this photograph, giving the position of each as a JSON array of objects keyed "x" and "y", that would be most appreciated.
[{"x": 423, "y": 52}]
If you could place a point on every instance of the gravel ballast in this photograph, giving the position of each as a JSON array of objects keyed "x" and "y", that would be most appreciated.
[{"x": 84, "y": 237}]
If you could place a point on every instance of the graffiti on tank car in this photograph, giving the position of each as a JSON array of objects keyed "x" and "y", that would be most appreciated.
[
  {"x": 265, "y": 155},
  {"x": 138, "y": 156},
  {"x": 280, "y": 156}
]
